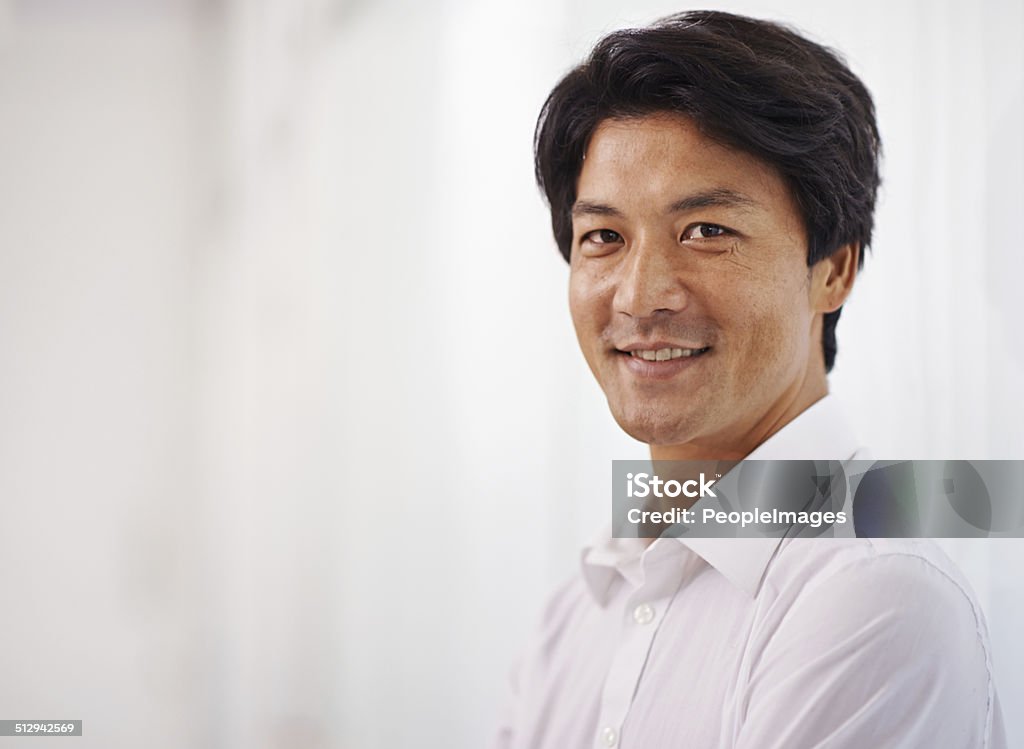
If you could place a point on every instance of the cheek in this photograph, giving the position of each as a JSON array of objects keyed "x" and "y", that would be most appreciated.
[
  {"x": 585, "y": 305},
  {"x": 577, "y": 306},
  {"x": 783, "y": 333},
  {"x": 774, "y": 328}
]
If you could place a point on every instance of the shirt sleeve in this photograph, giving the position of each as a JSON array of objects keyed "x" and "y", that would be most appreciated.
[
  {"x": 504, "y": 733},
  {"x": 510, "y": 732},
  {"x": 888, "y": 652}
]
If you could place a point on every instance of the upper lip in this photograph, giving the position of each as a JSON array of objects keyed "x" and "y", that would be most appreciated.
[{"x": 657, "y": 345}]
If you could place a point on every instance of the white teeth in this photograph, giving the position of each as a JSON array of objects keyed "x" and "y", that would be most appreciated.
[{"x": 664, "y": 354}]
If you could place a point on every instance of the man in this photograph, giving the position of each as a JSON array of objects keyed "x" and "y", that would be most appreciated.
[{"x": 712, "y": 180}]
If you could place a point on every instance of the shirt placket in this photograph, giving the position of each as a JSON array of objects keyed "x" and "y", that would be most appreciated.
[{"x": 642, "y": 612}]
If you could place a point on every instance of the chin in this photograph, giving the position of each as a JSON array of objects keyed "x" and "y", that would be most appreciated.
[{"x": 654, "y": 428}]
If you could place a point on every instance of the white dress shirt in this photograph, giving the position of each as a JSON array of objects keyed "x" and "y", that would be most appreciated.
[{"x": 759, "y": 643}]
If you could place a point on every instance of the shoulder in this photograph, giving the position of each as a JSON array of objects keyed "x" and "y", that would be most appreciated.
[
  {"x": 872, "y": 573},
  {"x": 909, "y": 585},
  {"x": 893, "y": 619},
  {"x": 563, "y": 603}
]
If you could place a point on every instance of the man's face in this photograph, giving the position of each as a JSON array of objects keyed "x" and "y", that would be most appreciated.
[{"x": 694, "y": 255}]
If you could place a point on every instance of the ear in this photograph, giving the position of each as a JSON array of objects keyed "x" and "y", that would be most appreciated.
[{"x": 832, "y": 278}]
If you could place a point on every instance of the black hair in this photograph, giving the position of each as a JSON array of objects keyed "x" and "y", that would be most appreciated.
[{"x": 751, "y": 84}]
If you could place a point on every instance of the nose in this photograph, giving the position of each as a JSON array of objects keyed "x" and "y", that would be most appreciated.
[{"x": 649, "y": 281}]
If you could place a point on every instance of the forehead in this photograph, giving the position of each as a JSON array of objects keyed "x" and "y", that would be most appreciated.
[{"x": 641, "y": 159}]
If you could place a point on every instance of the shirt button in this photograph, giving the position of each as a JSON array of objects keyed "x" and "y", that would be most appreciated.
[
  {"x": 609, "y": 736},
  {"x": 643, "y": 614}
]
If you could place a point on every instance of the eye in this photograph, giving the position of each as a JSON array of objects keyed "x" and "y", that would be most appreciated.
[
  {"x": 602, "y": 236},
  {"x": 704, "y": 231}
]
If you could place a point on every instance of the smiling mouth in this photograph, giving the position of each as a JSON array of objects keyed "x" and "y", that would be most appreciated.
[{"x": 666, "y": 354}]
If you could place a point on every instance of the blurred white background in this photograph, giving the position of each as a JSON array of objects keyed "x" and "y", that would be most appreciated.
[{"x": 294, "y": 433}]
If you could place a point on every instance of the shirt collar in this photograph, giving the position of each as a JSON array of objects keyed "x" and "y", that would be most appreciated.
[{"x": 820, "y": 432}]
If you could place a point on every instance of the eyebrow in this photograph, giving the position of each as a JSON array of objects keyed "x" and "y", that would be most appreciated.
[{"x": 719, "y": 197}]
